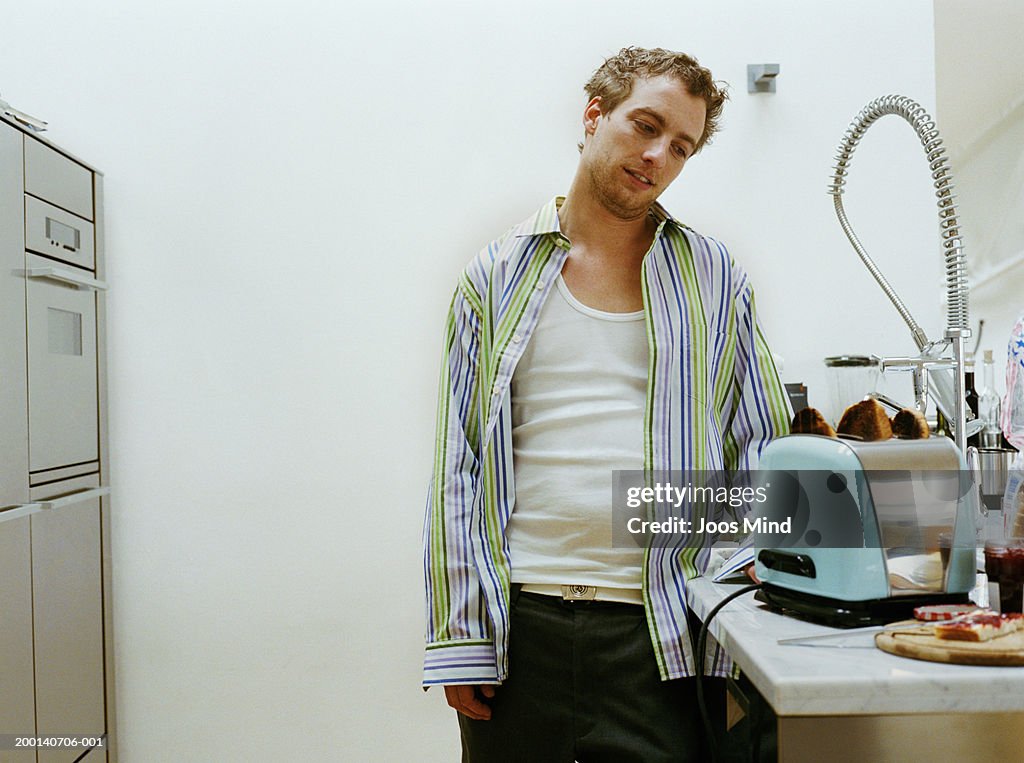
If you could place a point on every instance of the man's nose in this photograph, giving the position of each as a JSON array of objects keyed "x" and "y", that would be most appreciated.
[{"x": 656, "y": 152}]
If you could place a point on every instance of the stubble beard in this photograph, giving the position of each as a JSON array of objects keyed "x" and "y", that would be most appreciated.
[{"x": 607, "y": 188}]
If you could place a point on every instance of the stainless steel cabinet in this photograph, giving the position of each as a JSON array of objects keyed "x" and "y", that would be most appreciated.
[{"x": 56, "y": 658}]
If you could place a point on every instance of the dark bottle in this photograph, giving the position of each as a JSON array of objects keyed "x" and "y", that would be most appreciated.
[{"x": 971, "y": 397}]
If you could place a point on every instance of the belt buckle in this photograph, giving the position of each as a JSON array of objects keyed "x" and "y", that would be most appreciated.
[{"x": 579, "y": 592}]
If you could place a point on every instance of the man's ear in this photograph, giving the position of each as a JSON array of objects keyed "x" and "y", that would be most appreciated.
[{"x": 591, "y": 114}]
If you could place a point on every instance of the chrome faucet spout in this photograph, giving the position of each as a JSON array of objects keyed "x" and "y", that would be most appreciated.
[{"x": 947, "y": 393}]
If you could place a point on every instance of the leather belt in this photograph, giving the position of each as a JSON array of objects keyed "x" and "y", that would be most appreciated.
[{"x": 586, "y": 593}]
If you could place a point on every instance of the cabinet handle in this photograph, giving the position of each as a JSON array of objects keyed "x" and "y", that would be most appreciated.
[
  {"x": 18, "y": 512},
  {"x": 70, "y": 500},
  {"x": 65, "y": 275}
]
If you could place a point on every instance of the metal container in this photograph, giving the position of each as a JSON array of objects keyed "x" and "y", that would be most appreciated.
[{"x": 991, "y": 467}]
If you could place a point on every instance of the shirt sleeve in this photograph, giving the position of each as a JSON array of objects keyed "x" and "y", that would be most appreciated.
[
  {"x": 459, "y": 640},
  {"x": 762, "y": 411}
]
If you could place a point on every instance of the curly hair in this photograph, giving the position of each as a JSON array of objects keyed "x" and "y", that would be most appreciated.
[{"x": 613, "y": 82}]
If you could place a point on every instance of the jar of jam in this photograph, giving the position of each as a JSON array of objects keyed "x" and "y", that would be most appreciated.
[{"x": 1004, "y": 565}]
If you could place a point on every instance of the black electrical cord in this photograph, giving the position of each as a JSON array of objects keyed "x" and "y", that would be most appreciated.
[{"x": 702, "y": 639}]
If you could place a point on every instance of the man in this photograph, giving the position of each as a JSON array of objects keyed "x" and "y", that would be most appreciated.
[{"x": 599, "y": 334}]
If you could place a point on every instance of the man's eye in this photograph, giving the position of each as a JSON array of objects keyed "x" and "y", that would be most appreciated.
[
  {"x": 680, "y": 151},
  {"x": 644, "y": 128}
]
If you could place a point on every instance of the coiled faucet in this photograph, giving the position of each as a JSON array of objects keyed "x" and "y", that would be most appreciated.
[{"x": 949, "y": 401}]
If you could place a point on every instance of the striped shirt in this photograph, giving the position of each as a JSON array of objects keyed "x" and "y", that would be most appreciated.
[{"x": 714, "y": 400}]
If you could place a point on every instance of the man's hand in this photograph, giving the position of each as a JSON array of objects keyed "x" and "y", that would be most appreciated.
[
  {"x": 467, "y": 700},
  {"x": 751, "y": 573}
]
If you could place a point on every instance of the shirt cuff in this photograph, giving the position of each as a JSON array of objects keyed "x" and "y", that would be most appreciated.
[{"x": 465, "y": 661}]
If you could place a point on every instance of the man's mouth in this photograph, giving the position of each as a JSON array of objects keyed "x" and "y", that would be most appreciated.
[{"x": 642, "y": 178}]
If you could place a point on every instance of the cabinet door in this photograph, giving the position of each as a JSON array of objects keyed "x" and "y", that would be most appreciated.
[
  {"x": 17, "y": 686},
  {"x": 68, "y": 617},
  {"x": 63, "y": 416},
  {"x": 13, "y": 394},
  {"x": 53, "y": 177}
]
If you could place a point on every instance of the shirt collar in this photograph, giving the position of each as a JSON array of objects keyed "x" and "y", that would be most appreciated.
[{"x": 545, "y": 219}]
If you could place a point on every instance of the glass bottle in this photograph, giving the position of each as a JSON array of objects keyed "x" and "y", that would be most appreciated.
[
  {"x": 942, "y": 426},
  {"x": 989, "y": 404}
]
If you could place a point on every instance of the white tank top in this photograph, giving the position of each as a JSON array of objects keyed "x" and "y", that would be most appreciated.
[{"x": 578, "y": 396}]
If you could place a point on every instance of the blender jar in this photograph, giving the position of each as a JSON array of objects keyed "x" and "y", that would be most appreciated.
[{"x": 850, "y": 379}]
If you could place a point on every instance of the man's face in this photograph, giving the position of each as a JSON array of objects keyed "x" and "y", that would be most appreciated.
[{"x": 634, "y": 153}]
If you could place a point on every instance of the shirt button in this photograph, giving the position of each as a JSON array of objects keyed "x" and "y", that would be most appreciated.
[
  {"x": 516, "y": 338},
  {"x": 539, "y": 286}
]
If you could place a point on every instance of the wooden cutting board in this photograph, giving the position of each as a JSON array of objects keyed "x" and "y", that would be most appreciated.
[{"x": 919, "y": 644}]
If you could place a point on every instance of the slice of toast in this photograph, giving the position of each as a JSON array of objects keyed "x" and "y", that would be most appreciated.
[
  {"x": 909, "y": 424},
  {"x": 810, "y": 421},
  {"x": 866, "y": 420},
  {"x": 983, "y": 626}
]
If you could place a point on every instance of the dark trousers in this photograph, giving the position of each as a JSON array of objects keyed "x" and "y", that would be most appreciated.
[{"x": 583, "y": 685}]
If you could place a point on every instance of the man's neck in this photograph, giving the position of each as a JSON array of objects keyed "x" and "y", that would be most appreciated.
[
  {"x": 592, "y": 228},
  {"x": 606, "y": 258}
]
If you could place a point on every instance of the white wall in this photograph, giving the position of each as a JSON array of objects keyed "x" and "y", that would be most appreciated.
[
  {"x": 290, "y": 195},
  {"x": 980, "y": 96}
]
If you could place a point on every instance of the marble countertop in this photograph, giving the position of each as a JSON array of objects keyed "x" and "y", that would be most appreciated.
[{"x": 857, "y": 680}]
